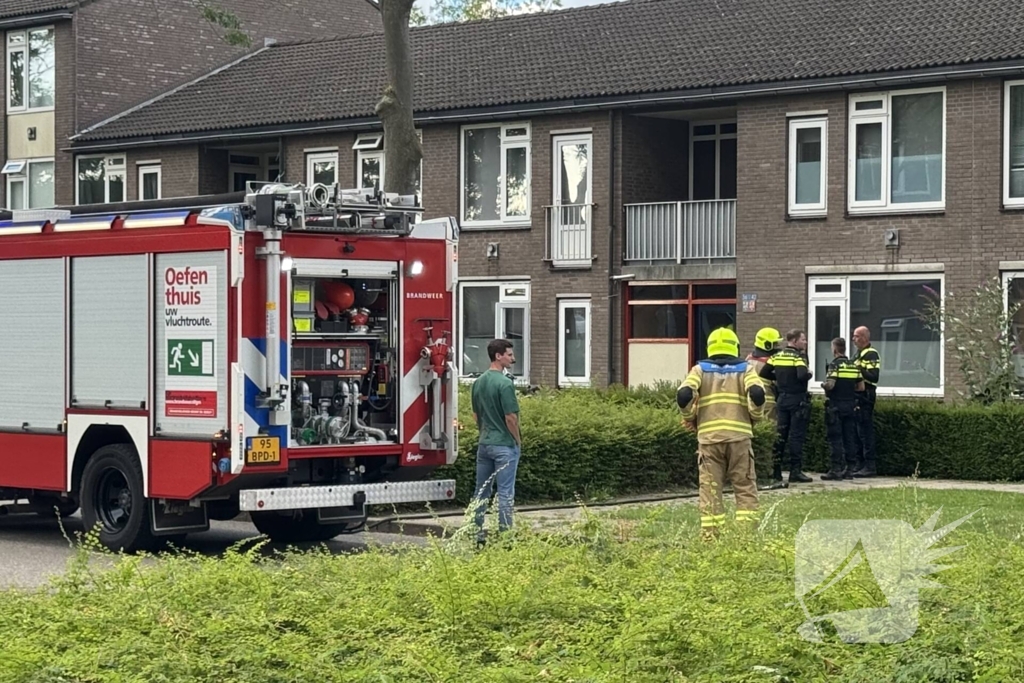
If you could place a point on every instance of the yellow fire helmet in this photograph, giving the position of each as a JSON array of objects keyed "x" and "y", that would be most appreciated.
[
  {"x": 723, "y": 342},
  {"x": 767, "y": 339}
]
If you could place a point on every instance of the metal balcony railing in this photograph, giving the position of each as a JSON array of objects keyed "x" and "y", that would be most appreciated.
[
  {"x": 569, "y": 235},
  {"x": 681, "y": 231}
]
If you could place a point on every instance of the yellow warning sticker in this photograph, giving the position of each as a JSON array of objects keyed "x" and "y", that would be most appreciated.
[
  {"x": 303, "y": 324},
  {"x": 301, "y": 296},
  {"x": 271, "y": 306}
]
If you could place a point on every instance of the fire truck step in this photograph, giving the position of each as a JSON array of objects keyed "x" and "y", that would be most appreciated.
[{"x": 304, "y": 497}]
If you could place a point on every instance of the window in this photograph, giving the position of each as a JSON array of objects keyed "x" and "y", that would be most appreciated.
[
  {"x": 495, "y": 173},
  {"x": 897, "y": 151},
  {"x": 29, "y": 184},
  {"x": 149, "y": 181},
  {"x": 574, "y": 342},
  {"x": 31, "y": 73},
  {"x": 808, "y": 166},
  {"x": 492, "y": 310},
  {"x": 668, "y": 323},
  {"x": 370, "y": 168},
  {"x": 891, "y": 307},
  {"x": 322, "y": 167},
  {"x": 713, "y": 160},
  {"x": 1013, "y": 143},
  {"x": 244, "y": 167},
  {"x": 1013, "y": 292},
  {"x": 100, "y": 179},
  {"x": 370, "y": 164}
]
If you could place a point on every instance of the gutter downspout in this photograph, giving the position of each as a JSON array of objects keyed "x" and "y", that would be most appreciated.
[
  {"x": 611, "y": 245},
  {"x": 282, "y": 172}
]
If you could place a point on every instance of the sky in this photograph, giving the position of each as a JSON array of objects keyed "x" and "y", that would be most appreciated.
[{"x": 425, "y": 4}]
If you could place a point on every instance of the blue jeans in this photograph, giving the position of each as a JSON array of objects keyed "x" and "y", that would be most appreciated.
[{"x": 496, "y": 465}]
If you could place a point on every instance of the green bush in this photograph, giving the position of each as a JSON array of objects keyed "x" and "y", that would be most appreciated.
[{"x": 596, "y": 443}]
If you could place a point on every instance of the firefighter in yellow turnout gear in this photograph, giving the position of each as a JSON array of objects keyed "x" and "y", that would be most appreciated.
[
  {"x": 723, "y": 396},
  {"x": 766, "y": 344}
]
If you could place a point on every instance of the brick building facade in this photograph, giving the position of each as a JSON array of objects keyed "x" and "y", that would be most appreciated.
[
  {"x": 72, "y": 63},
  {"x": 690, "y": 193}
]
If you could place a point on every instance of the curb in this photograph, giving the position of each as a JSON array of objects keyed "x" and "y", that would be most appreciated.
[{"x": 387, "y": 525}]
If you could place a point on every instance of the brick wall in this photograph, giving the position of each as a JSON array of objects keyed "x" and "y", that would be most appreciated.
[
  {"x": 179, "y": 170},
  {"x": 213, "y": 171},
  {"x": 64, "y": 112},
  {"x": 655, "y": 156},
  {"x": 521, "y": 251},
  {"x": 295, "y": 153},
  {"x": 969, "y": 238},
  {"x": 131, "y": 50}
]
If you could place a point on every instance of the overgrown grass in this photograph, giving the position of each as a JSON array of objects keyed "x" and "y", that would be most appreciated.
[{"x": 628, "y": 596}]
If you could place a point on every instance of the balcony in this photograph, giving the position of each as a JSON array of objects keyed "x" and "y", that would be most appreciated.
[
  {"x": 568, "y": 234},
  {"x": 681, "y": 232}
]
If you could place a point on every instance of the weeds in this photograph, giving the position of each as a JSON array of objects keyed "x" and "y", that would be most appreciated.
[{"x": 622, "y": 595}]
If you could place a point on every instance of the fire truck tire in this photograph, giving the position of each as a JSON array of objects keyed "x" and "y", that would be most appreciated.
[
  {"x": 112, "y": 496},
  {"x": 299, "y": 527}
]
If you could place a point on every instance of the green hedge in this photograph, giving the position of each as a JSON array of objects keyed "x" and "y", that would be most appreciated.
[
  {"x": 614, "y": 442},
  {"x": 596, "y": 444},
  {"x": 938, "y": 440}
]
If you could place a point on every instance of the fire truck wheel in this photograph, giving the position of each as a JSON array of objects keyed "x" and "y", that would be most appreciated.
[
  {"x": 112, "y": 497},
  {"x": 299, "y": 527}
]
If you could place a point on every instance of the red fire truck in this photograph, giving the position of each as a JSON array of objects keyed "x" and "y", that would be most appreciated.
[{"x": 284, "y": 351}]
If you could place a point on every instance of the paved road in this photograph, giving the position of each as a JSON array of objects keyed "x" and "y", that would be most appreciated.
[{"x": 33, "y": 549}]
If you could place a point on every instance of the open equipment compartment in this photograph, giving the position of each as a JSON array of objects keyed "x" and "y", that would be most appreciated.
[{"x": 344, "y": 354}]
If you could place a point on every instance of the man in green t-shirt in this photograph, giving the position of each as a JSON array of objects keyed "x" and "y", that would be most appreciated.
[{"x": 496, "y": 412}]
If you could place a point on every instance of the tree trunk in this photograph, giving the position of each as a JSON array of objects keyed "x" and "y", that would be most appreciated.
[{"x": 402, "y": 151}]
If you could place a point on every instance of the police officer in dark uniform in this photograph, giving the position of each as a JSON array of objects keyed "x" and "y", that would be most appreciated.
[
  {"x": 788, "y": 370},
  {"x": 842, "y": 381},
  {"x": 870, "y": 364}
]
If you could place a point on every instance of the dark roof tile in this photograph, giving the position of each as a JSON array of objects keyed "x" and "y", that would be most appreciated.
[
  {"x": 615, "y": 49},
  {"x": 18, "y": 8}
]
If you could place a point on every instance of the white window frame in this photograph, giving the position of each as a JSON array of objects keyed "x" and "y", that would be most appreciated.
[
  {"x": 1008, "y": 201},
  {"x": 371, "y": 146},
  {"x": 883, "y": 116},
  {"x": 506, "y": 143},
  {"x": 150, "y": 169},
  {"x": 24, "y": 49},
  {"x": 1007, "y": 277},
  {"x": 511, "y": 294},
  {"x": 108, "y": 170},
  {"x": 819, "y": 208},
  {"x": 19, "y": 171},
  {"x": 369, "y": 141},
  {"x": 11, "y": 180},
  {"x": 842, "y": 300},
  {"x": 361, "y": 156},
  {"x": 563, "y": 379},
  {"x": 313, "y": 157},
  {"x": 717, "y": 137}
]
